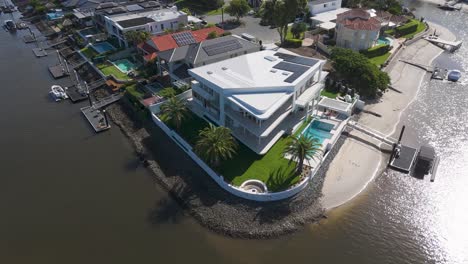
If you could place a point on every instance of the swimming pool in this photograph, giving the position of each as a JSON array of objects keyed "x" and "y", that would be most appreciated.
[
  {"x": 124, "y": 65},
  {"x": 384, "y": 41},
  {"x": 102, "y": 47},
  {"x": 319, "y": 130},
  {"x": 54, "y": 15},
  {"x": 88, "y": 32}
]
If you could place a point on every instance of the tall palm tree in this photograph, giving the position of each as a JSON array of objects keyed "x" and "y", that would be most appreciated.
[
  {"x": 215, "y": 144},
  {"x": 302, "y": 147},
  {"x": 174, "y": 111}
]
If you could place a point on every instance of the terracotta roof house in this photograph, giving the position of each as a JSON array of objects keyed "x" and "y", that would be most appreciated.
[
  {"x": 356, "y": 29},
  {"x": 156, "y": 44}
]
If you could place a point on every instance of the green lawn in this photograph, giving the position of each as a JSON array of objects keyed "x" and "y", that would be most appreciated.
[
  {"x": 328, "y": 94},
  {"x": 133, "y": 89},
  {"x": 108, "y": 69},
  {"x": 421, "y": 28},
  {"x": 289, "y": 35},
  {"x": 89, "y": 52},
  {"x": 190, "y": 127},
  {"x": 379, "y": 60},
  {"x": 272, "y": 168}
]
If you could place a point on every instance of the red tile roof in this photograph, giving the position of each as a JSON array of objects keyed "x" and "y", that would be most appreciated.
[
  {"x": 167, "y": 42},
  {"x": 358, "y": 19}
]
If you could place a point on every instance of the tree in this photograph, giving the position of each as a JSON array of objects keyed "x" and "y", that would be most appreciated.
[
  {"x": 137, "y": 37},
  {"x": 174, "y": 111},
  {"x": 238, "y": 8},
  {"x": 284, "y": 12},
  {"x": 302, "y": 147},
  {"x": 215, "y": 144},
  {"x": 359, "y": 72},
  {"x": 186, "y": 11},
  {"x": 297, "y": 29}
]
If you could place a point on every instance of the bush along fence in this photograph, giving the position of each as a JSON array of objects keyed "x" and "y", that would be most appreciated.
[
  {"x": 407, "y": 28},
  {"x": 378, "y": 50}
]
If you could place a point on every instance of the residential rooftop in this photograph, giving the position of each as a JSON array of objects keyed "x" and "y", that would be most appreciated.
[{"x": 265, "y": 68}]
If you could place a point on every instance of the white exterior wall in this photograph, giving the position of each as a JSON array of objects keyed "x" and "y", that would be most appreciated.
[
  {"x": 316, "y": 8},
  {"x": 355, "y": 39},
  {"x": 154, "y": 28}
]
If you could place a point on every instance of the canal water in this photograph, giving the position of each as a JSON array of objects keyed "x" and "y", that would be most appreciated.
[{"x": 68, "y": 195}]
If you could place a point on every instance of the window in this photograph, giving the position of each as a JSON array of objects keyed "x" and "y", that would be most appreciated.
[
  {"x": 162, "y": 26},
  {"x": 363, "y": 35},
  {"x": 333, "y": 4},
  {"x": 324, "y": 5}
]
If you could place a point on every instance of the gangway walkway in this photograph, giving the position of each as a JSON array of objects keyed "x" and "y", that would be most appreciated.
[
  {"x": 438, "y": 41},
  {"x": 106, "y": 101},
  {"x": 372, "y": 133}
]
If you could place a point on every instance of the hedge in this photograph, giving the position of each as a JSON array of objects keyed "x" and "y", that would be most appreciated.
[
  {"x": 407, "y": 28},
  {"x": 378, "y": 50},
  {"x": 293, "y": 43}
]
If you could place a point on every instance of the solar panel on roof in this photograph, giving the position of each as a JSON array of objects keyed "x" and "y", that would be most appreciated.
[
  {"x": 296, "y": 59},
  {"x": 184, "y": 38},
  {"x": 222, "y": 47},
  {"x": 296, "y": 69}
]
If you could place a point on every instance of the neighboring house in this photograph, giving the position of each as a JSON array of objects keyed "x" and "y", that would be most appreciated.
[
  {"x": 356, "y": 29},
  {"x": 117, "y": 20},
  {"x": 177, "y": 61},
  {"x": 257, "y": 95},
  {"x": 150, "y": 48},
  {"x": 320, "y": 6}
]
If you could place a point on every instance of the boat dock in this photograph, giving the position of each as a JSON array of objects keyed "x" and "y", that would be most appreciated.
[
  {"x": 60, "y": 70},
  {"x": 372, "y": 133},
  {"x": 76, "y": 93},
  {"x": 445, "y": 44},
  {"x": 96, "y": 117},
  {"x": 39, "y": 52},
  {"x": 404, "y": 160}
]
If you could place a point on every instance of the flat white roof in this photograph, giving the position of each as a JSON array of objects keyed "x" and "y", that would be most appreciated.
[
  {"x": 335, "y": 105},
  {"x": 327, "y": 25},
  {"x": 250, "y": 71},
  {"x": 329, "y": 15},
  {"x": 262, "y": 105},
  {"x": 156, "y": 15}
]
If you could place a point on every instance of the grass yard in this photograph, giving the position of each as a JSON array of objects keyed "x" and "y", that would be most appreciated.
[
  {"x": 421, "y": 28},
  {"x": 379, "y": 60},
  {"x": 108, "y": 69},
  {"x": 89, "y": 52},
  {"x": 190, "y": 127},
  {"x": 329, "y": 94},
  {"x": 289, "y": 35},
  {"x": 134, "y": 90},
  {"x": 272, "y": 168}
]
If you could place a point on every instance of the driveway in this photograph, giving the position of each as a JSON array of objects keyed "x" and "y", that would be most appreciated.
[{"x": 251, "y": 26}]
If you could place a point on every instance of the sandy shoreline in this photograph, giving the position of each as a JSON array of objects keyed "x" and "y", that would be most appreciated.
[{"x": 357, "y": 164}]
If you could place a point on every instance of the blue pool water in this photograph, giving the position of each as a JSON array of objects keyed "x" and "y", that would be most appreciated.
[
  {"x": 124, "y": 65},
  {"x": 55, "y": 15},
  {"x": 102, "y": 47},
  {"x": 384, "y": 41},
  {"x": 319, "y": 130}
]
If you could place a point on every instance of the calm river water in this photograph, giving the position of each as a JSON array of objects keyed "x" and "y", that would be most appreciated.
[{"x": 70, "y": 196}]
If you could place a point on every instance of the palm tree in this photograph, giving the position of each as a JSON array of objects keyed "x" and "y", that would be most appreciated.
[
  {"x": 302, "y": 147},
  {"x": 136, "y": 37},
  {"x": 215, "y": 144},
  {"x": 174, "y": 111}
]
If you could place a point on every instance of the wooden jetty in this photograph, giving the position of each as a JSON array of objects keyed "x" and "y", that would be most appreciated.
[
  {"x": 96, "y": 117},
  {"x": 29, "y": 39},
  {"x": 76, "y": 93},
  {"x": 60, "y": 70},
  {"x": 39, "y": 52}
]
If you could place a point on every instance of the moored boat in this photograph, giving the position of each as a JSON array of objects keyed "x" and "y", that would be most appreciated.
[
  {"x": 454, "y": 75},
  {"x": 10, "y": 25},
  {"x": 58, "y": 93}
]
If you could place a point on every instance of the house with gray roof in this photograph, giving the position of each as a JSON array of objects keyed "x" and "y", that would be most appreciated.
[{"x": 179, "y": 60}]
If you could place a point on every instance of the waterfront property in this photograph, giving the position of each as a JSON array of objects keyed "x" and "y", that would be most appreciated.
[
  {"x": 156, "y": 44},
  {"x": 357, "y": 30},
  {"x": 177, "y": 61},
  {"x": 258, "y": 95},
  {"x": 137, "y": 18},
  {"x": 102, "y": 47}
]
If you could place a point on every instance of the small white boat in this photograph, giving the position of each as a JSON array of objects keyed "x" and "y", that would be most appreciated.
[
  {"x": 454, "y": 75},
  {"x": 58, "y": 93}
]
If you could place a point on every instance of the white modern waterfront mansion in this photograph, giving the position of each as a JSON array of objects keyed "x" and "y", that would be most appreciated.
[{"x": 259, "y": 96}]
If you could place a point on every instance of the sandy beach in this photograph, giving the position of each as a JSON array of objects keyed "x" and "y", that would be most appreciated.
[{"x": 357, "y": 163}]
